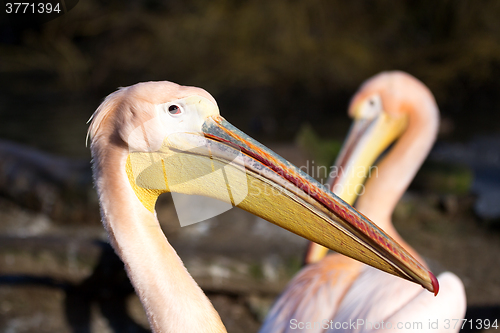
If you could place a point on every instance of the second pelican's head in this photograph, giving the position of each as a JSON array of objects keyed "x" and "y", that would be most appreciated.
[{"x": 385, "y": 107}]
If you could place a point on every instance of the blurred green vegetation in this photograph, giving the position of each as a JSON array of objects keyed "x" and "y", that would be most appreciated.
[
  {"x": 322, "y": 152},
  {"x": 225, "y": 43},
  {"x": 433, "y": 176},
  {"x": 284, "y": 61},
  {"x": 443, "y": 178}
]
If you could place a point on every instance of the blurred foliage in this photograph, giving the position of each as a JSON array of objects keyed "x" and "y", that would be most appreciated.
[
  {"x": 433, "y": 176},
  {"x": 443, "y": 178},
  {"x": 305, "y": 55},
  {"x": 322, "y": 152},
  {"x": 223, "y": 43}
]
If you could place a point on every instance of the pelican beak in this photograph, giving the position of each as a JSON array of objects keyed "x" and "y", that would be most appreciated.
[
  {"x": 309, "y": 209},
  {"x": 367, "y": 139},
  {"x": 263, "y": 183}
]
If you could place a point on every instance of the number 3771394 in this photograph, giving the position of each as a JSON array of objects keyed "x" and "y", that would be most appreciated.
[
  {"x": 478, "y": 324},
  {"x": 32, "y": 7}
]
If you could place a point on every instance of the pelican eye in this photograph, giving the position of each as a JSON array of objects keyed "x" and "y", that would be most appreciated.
[{"x": 174, "y": 109}]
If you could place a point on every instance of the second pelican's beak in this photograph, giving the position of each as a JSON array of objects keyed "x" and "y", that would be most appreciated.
[
  {"x": 271, "y": 188},
  {"x": 370, "y": 135}
]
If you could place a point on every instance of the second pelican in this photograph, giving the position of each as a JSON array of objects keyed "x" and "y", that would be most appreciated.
[{"x": 337, "y": 294}]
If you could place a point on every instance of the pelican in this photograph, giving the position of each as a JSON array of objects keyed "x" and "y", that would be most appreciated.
[
  {"x": 388, "y": 107},
  {"x": 156, "y": 137}
]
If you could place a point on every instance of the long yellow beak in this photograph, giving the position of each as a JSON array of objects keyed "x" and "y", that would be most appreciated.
[
  {"x": 273, "y": 189},
  {"x": 366, "y": 141}
]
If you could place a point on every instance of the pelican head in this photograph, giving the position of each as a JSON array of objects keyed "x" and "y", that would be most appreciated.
[
  {"x": 386, "y": 106},
  {"x": 175, "y": 140}
]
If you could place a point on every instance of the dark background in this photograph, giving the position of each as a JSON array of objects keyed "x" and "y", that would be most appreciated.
[{"x": 271, "y": 65}]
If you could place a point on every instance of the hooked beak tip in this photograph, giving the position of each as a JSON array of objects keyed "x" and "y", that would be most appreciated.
[{"x": 435, "y": 283}]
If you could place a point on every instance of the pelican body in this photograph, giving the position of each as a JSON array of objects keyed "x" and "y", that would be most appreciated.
[
  {"x": 158, "y": 137},
  {"x": 392, "y": 107}
]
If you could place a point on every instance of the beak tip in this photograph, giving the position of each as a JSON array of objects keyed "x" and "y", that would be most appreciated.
[{"x": 435, "y": 284}]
